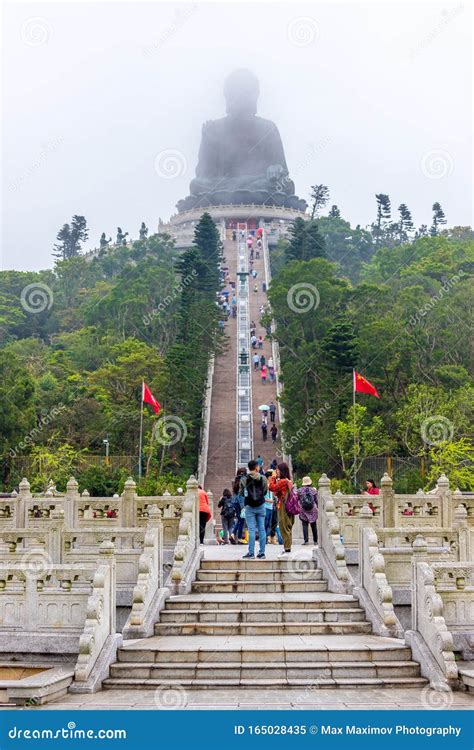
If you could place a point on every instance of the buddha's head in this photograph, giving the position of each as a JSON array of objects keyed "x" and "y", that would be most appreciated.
[{"x": 241, "y": 92}]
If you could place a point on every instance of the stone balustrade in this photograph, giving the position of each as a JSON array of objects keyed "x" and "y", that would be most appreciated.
[
  {"x": 430, "y": 639},
  {"x": 454, "y": 583},
  {"x": 187, "y": 554},
  {"x": 330, "y": 554},
  {"x": 374, "y": 592}
]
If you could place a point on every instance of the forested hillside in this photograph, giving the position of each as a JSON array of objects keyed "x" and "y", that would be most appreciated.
[
  {"x": 76, "y": 343},
  {"x": 400, "y": 312}
]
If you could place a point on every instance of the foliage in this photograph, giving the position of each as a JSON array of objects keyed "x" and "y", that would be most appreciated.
[{"x": 456, "y": 460}]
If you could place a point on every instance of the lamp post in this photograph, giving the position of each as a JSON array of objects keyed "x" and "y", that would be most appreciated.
[{"x": 106, "y": 443}]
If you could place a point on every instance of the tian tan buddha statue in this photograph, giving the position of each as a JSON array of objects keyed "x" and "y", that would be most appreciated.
[{"x": 241, "y": 158}]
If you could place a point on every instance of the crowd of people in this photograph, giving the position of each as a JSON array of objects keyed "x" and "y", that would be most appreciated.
[{"x": 262, "y": 505}]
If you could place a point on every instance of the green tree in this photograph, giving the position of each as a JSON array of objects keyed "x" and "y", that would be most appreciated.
[
  {"x": 319, "y": 196},
  {"x": 360, "y": 436},
  {"x": 405, "y": 223},
  {"x": 438, "y": 219},
  {"x": 70, "y": 237},
  {"x": 305, "y": 241},
  {"x": 384, "y": 210}
]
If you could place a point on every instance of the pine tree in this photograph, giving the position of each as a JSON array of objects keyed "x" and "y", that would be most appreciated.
[
  {"x": 438, "y": 219},
  {"x": 334, "y": 212},
  {"x": 206, "y": 239},
  {"x": 319, "y": 196},
  {"x": 70, "y": 237},
  {"x": 405, "y": 223},
  {"x": 306, "y": 242},
  {"x": 341, "y": 345},
  {"x": 384, "y": 210}
]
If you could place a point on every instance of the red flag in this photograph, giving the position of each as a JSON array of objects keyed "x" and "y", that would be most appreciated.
[
  {"x": 148, "y": 398},
  {"x": 361, "y": 385}
]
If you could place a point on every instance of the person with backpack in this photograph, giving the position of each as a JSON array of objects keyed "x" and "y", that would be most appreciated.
[
  {"x": 227, "y": 514},
  {"x": 287, "y": 501},
  {"x": 238, "y": 531},
  {"x": 274, "y": 433},
  {"x": 254, "y": 487},
  {"x": 308, "y": 499}
]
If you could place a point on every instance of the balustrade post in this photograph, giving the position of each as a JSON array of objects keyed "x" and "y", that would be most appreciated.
[
  {"x": 444, "y": 494},
  {"x": 55, "y": 536},
  {"x": 210, "y": 535},
  {"x": 20, "y": 504},
  {"x": 70, "y": 501},
  {"x": 107, "y": 556},
  {"x": 128, "y": 506},
  {"x": 389, "y": 503}
]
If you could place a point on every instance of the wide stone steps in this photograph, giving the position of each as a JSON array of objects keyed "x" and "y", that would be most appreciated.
[{"x": 263, "y": 623}]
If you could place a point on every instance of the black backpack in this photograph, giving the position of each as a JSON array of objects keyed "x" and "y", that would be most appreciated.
[
  {"x": 228, "y": 510},
  {"x": 308, "y": 499},
  {"x": 254, "y": 492}
]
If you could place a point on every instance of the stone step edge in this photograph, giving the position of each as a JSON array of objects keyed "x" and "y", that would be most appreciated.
[
  {"x": 275, "y": 683},
  {"x": 264, "y": 611},
  {"x": 269, "y": 665}
]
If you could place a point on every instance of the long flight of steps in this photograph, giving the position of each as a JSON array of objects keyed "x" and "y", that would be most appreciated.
[{"x": 265, "y": 623}]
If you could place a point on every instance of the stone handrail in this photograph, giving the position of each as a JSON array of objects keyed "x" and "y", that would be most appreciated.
[
  {"x": 99, "y": 641},
  {"x": 330, "y": 553},
  {"x": 430, "y": 639},
  {"x": 374, "y": 592},
  {"x": 206, "y": 418},
  {"x": 187, "y": 554},
  {"x": 148, "y": 594}
]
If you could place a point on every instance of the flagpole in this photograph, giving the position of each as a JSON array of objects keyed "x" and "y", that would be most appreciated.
[
  {"x": 355, "y": 425},
  {"x": 141, "y": 436}
]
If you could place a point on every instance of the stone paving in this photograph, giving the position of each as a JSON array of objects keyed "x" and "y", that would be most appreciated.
[{"x": 265, "y": 700}]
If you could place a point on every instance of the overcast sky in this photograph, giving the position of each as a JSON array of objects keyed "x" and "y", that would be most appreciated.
[{"x": 104, "y": 102}]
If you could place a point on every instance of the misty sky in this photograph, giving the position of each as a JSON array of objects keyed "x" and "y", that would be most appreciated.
[{"x": 101, "y": 99}]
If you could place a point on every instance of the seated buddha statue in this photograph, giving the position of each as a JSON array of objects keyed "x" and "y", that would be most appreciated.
[{"x": 241, "y": 157}]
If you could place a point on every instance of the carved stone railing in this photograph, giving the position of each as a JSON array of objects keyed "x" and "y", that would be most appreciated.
[
  {"x": 374, "y": 592},
  {"x": 187, "y": 553},
  {"x": 454, "y": 583},
  {"x": 430, "y": 640},
  {"x": 148, "y": 595},
  {"x": 330, "y": 554},
  {"x": 99, "y": 642}
]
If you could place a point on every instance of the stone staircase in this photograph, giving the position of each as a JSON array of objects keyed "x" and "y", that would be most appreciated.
[{"x": 265, "y": 623}]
